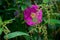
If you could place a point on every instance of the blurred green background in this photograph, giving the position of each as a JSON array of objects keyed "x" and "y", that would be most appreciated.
[{"x": 12, "y": 20}]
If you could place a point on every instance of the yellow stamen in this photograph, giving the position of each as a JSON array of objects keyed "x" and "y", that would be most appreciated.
[{"x": 33, "y": 15}]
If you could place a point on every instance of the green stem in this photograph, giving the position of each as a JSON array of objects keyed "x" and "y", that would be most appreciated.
[
  {"x": 6, "y": 37},
  {"x": 44, "y": 32},
  {"x": 7, "y": 2},
  {"x": 16, "y": 38},
  {"x": 0, "y": 37},
  {"x": 6, "y": 31}
]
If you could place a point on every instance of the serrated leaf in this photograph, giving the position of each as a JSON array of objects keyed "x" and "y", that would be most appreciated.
[
  {"x": 30, "y": 28},
  {"x": 27, "y": 38},
  {"x": 1, "y": 30},
  {"x": 15, "y": 34},
  {"x": 9, "y": 21},
  {"x": 23, "y": 7},
  {"x": 2, "y": 11},
  {"x": 19, "y": 1},
  {"x": 1, "y": 21},
  {"x": 57, "y": 14},
  {"x": 54, "y": 21},
  {"x": 45, "y": 1},
  {"x": 9, "y": 9},
  {"x": 0, "y": 2},
  {"x": 28, "y": 3}
]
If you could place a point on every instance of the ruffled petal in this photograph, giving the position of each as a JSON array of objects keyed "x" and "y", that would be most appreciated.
[{"x": 27, "y": 15}]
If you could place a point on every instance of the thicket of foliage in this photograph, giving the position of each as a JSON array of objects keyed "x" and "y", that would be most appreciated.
[{"x": 14, "y": 27}]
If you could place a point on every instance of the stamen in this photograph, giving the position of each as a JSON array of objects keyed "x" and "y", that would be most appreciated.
[{"x": 33, "y": 15}]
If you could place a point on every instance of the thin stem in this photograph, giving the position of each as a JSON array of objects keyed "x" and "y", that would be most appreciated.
[
  {"x": 16, "y": 38},
  {"x": 56, "y": 5},
  {"x": 7, "y": 2},
  {"x": 44, "y": 32},
  {"x": 6, "y": 37},
  {"x": 38, "y": 32},
  {"x": 0, "y": 37}
]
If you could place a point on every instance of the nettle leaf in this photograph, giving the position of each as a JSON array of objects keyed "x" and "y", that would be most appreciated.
[
  {"x": 23, "y": 7},
  {"x": 9, "y": 9},
  {"x": 30, "y": 28},
  {"x": 1, "y": 21},
  {"x": 45, "y": 1},
  {"x": 9, "y": 21},
  {"x": 53, "y": 21},
  {"x": 19, "y": 1},
  {"x": 2, "y": 11},
  {"x": 27, "y": 38},
  {"x": 1, "y": 30},
  {"x": 28, "y": 3},
  {"x": 0, "y": 2},
  {"x": 57, "y": 14},
  {"x": 15, "y": 34}
]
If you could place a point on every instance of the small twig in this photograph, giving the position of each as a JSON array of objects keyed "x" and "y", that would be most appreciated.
[
  {"x": 16, "y": 38},
  {"x": 0, "y": 37},
  {"x": 6, "y": 37},
  {"x": 7, "y": 2},
  {"x": 58, "y": 31}
]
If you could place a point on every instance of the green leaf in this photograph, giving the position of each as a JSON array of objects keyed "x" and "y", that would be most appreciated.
[
  {"x": 23, "y": 7},
  {"x": 2, "y": 11},
  {"x": 27, "y": 38},
  {"x": 30, "y": 28},
  {"x": 28, "y": 3},
  {"x": 34, "y": 19},
  {"x": 0, "y": 2},
  {"x": 45, "y": 1},
  {"x": 57, "y": 14},
  {"x": 1, "y": 21},
  {"x": 1, "y": 30},
  {"x": 9, "y": 9},
  {"x": 15, "y": 34},
  {"x": 54, "y": 21},
  {"x": 19, "y": 1},
  {"x": 9, "y": 21}
]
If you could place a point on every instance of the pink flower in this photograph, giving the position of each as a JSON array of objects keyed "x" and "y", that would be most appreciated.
[{"x": 32, "y": 15}]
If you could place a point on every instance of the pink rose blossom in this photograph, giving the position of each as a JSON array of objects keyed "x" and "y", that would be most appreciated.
[{"x": 32, "y": 13}]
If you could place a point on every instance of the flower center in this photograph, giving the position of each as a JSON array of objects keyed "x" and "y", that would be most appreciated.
[{"x": 33, "y": 15}]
